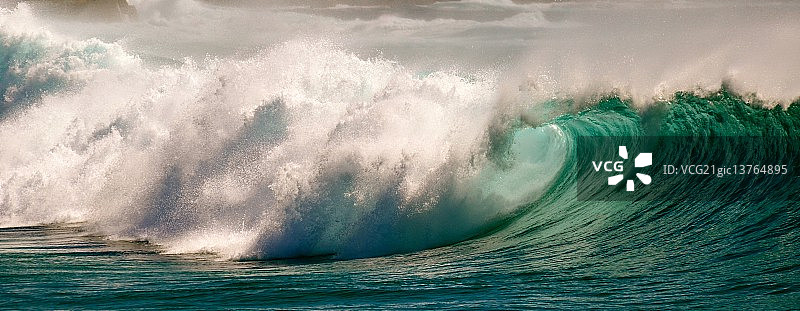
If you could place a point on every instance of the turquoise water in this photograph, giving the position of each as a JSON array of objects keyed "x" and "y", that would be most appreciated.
[
  {"x": 202, "y": 155},
  {"x": 559, "y": 253}
]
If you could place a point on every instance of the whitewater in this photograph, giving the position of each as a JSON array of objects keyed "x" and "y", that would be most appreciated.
[{"x": 424, "y": 151}]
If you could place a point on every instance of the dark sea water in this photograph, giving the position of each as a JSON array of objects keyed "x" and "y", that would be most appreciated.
[{"x": 209, "y": 155}]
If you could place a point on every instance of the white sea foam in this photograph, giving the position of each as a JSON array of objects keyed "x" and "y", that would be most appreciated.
[{"x": 303, "y": 149}]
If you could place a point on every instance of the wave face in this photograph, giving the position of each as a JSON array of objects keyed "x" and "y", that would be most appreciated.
[
  {"x": 716, "y": 237},
  {"x": 306, "y": 149}
]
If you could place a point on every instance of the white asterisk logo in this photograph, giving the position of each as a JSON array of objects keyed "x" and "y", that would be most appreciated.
[{"x": 642, "y": 160}]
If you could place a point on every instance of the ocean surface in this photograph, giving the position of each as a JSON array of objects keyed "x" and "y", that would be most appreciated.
[{"x": 396, "y": 155}]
